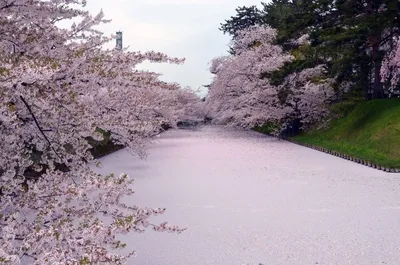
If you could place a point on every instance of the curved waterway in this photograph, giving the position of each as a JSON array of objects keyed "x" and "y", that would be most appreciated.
[{"x": 248, "y": 199}]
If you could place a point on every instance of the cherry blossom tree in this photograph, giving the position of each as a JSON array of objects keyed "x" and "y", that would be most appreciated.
[
  {"x": 241, "y": 95},
  {"x": 58, "y": 86},
  {"x": 238, "y": 95},
  {"x": 307, "y": 94},
  {"x": 190, "y": 106}
]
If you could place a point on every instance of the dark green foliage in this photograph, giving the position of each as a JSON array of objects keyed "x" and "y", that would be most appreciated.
[
  {"x": 291, "y": 18},
  {"x": 354, "y": 37},
  {"x": 268, "y": 128},
  {"x": 245, "y": 17}
]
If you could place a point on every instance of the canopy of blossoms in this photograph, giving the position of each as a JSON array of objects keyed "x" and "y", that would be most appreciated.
[{"x": 58, "y": 87}]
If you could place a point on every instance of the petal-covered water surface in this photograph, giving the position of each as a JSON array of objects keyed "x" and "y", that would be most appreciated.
[{"x": 247, "y": 198}]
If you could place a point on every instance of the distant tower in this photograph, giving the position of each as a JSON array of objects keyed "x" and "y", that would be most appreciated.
[{"x": 119, "y": 41}]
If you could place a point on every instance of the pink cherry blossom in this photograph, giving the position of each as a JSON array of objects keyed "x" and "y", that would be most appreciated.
[
  {"x": 390, "y": 70},
  {"x": 58, "y": 86}
]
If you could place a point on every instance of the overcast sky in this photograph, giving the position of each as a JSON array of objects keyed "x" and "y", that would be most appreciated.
[{"x": 179, "y": 28}]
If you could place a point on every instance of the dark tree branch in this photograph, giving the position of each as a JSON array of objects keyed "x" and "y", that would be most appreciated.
[
  {"x": 7, "y": 5},
  {"x": 387, "y": 38},
  {"x": 38, "y": 126}
]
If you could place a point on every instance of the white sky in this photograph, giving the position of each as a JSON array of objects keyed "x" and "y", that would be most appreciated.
[{"x": 179, "y": 28}]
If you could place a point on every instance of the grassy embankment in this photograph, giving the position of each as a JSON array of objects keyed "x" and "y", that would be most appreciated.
[{"x": 370, "y": 130}]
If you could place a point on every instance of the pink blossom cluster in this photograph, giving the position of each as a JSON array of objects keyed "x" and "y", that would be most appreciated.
[
  {"x": 308, "y": 95},
  {"x": 390, "y": 70}
]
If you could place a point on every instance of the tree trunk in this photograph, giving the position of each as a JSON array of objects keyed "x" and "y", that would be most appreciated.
[{"x": 377, "y": 87}]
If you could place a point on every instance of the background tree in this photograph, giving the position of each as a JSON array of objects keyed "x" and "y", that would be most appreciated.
[
  {"x": 354, "y": 37},
  {"x": 237, "y": 95},
  {"x": 245, "y": 17}
]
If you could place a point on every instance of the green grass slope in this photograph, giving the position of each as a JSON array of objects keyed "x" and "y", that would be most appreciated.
[{"x": 371, "y": 131}]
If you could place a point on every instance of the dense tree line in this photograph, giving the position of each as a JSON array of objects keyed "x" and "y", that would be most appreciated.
[
  {"x": 354, "y": 38},
  {"x": 353, "y": 44}
]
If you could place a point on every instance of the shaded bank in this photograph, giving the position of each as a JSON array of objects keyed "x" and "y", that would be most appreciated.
[{"x": 107, "y": 146}]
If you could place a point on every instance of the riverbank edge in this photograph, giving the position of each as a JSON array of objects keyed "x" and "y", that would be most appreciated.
[
  {"x": 363, "y": 132},
  {"x": 107, "y": 147},
  {"x": 338, "y": 154},
  {"x": 346, "y": 156}
]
